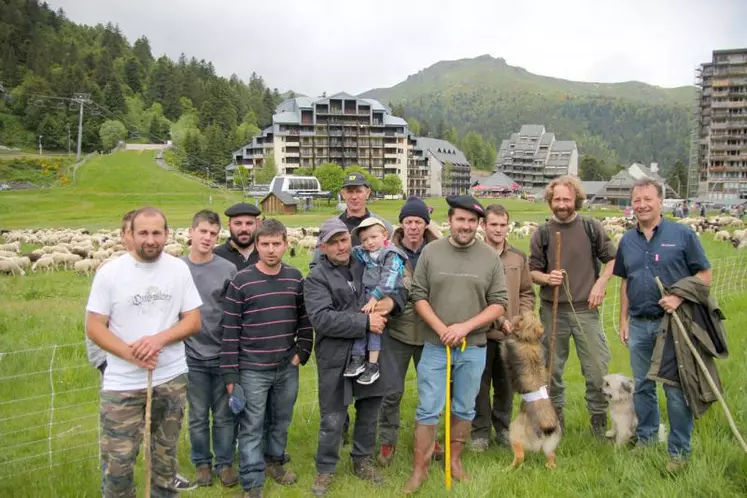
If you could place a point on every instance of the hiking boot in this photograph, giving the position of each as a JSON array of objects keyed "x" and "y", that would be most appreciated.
[
  {"x": 675, "y": 464},
  {"x": 386, "y": 454},
  {"x": 599, "y": 425},
  {"x": 277, "y": 472},
  {"x": 425, "y": 440},
  {"x": 228, "y": 477},
  {"x": 364, "y": 469},
  {"x": 204, "y": 476},
  {"x": 355, "y": 367},
  {"x": 181, "y": 483},
  {"x": 478, "y": 445},
  {"x": 438, "y": 452},
  {"x": 321, "y": 484},
  {"x": 253, "y": 493},
  {"x": 370, "y": 374},
  {"x": 460, "y": 430},
  {"x": 502, "y": 439}
]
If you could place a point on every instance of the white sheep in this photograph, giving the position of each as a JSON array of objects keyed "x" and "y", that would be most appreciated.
[
  {"x": 86, "y": 266},
  {"x": 11, "y": 267},
  {"x": 46, "y": 264},
  {"x": 174, "y": 250},
  {"x": 722, "y": 235},
  {"x": 12, "y": 247}
]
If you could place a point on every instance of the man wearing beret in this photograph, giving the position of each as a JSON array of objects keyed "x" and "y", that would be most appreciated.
[
  {"x": 407, "y": 331},
  {"x": 333, "y": 295},
  {"x": 242, "y": 223},
  {"x": 459, "y": 290}
]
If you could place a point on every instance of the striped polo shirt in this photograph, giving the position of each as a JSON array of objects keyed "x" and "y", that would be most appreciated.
[{"x": 265, "y": 321}]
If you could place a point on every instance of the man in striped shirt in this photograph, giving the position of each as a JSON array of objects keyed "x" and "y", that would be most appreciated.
[{"x": 266, "y": 336}]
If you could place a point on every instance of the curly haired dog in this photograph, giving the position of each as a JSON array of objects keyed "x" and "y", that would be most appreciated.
[{"x": 536, "y": 427}]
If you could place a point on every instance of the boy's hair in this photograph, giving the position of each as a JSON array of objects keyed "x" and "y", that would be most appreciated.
[
  {"x": 498, "y": 210},
  {"x": 271, "y": 227},
  {"x": 126, "y": 221},
  {"x": 206, "y": 215},
  {"x": 377, "y": 225}
]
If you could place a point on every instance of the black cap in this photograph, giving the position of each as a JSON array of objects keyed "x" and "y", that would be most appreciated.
[
  {"x": 242, "y": 209},
  {"x": 355, "y": 179},
  {"x": 466, "y": 202},
  {"x": 415, "y": 207}
]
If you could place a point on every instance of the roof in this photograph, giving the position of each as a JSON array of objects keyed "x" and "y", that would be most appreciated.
[
  {"x": 342, "y": 95},
  {"x": 283, "y": 197},
  {"x": 442, "y": 150},
  {"x": 376, "y": 105},
  {"x": 496, "y": 180},
  {"x": 394, "y": 120},
  {"x": 638, "y": 171},
  {"x": 563, "y": 145},
  {"x": 286, "y": 118},
  {"x": 532, "y": 130},
  {"x": 593, "y": 188}
]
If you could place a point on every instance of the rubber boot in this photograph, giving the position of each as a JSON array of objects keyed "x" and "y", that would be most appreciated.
[
  {"x": 460, "y": 430},
  {"x": 425, "y": 439}
]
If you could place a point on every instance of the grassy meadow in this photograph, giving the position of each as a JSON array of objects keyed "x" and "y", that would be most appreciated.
[{"x": 49, "y": 393}]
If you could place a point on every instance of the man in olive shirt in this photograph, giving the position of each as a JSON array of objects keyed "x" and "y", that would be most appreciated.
[
  {"x": 459, "y": 290},
  {"x": 583, "y": 241}
]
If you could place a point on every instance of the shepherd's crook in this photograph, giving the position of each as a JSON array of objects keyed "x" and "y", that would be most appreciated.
[
  {"x": 555, "y": 298},
  {"x": 447, "y": 443},
  {"x": 699, "y": 360},
  {"x": 146, "y": 448}
]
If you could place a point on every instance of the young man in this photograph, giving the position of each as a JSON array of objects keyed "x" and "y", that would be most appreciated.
[
  {"x": 266, "y": 336},
  {"x": 520, "y": 299},
  {"x": 584, "y": 244},
  {"x": 206, "y": 391},
  {"x": 242, "y": 223},
  {"x": 134, "y": 312},
  {"x": 459, "y": 289},
  {"x": 656, "y": 247}
]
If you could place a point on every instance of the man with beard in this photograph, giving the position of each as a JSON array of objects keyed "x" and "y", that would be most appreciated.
[
  {"x": 520, "y": 299},
  {"x": 459, "y": 290},
  {"x": 584, "y": 242},
  {"x": 206, "y": 391},
  {"x": 242, "y": 223},
  {"x": 141, "y": 307}
]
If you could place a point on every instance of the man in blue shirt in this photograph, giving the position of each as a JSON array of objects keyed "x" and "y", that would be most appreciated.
[{"x": 655, "y": 248}]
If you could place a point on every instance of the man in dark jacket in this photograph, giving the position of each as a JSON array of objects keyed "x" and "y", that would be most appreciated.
[
  {"x": 672, "y": 252},
  {"x": 333, "y": 294},
  {"x": 239, "y": 248}
]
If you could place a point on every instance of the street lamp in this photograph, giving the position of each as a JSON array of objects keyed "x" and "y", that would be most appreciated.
[{"x": 40, "y": 145}]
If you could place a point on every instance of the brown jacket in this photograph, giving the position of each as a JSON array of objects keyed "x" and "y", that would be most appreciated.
[
  {"x": 408, "y": 327},
  {"x": 519, "y": 284}
]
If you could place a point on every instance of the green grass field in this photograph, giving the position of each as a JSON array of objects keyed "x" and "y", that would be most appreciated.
[{"x": 49, "y": 393}]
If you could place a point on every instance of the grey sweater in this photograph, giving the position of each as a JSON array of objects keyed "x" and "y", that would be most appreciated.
[
  {"x": 211, "y": 280},
  {"x": 459, "y": 283}
]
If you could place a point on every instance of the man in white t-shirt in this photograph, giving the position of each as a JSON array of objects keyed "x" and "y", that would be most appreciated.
[{"x": 141, "y": 307}]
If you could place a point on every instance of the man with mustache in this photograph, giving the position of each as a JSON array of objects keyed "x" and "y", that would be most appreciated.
[
  {"x": 242, "y": 223},
  {"x": 459, "y": 290},
  {"x": 583, "y": 242}
]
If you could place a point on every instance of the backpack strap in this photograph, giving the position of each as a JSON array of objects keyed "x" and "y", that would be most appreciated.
[{"x": 544, "y": 232}]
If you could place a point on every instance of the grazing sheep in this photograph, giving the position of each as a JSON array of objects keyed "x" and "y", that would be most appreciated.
[
  {"x": 174, "y": 250},
  {"x": 86, "y": 266},
  {"x": 46, "y": 264},
  {"x": 7, "y": 254},
  {"x": 722, "y": 235},
  {"x": 13, "y": 247},
  {"x": 11, "y": 268}
]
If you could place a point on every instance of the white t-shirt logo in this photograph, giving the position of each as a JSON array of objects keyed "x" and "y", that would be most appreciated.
[{"x": 153, "y": 297}]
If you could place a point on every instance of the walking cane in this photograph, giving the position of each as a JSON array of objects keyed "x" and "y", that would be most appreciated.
[
  {"x": 555, "y": 298},
  {"x": 447, "y": 442},
  {"x": 148, "y": 403},
  {"x": 709, "y": 379}
]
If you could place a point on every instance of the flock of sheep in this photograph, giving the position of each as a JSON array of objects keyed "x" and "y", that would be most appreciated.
[{"x": 84, "y": 252}]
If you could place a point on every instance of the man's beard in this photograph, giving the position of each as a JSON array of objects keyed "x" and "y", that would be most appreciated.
[
  {"x": 235, "y": 239},
  {"x": 147, "y": 257}
]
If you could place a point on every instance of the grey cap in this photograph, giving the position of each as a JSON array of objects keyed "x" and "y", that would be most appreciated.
[{"x": 331, "y": 227}]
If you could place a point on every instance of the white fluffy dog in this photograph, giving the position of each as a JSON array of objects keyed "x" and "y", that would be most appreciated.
[{"x": 619, "y": 391}]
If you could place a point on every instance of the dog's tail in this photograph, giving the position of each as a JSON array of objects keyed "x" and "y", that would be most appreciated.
[{"x": 663, "y": 433}]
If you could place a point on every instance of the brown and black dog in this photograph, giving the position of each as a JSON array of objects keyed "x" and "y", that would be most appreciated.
[{"x": 536, "y": 427}]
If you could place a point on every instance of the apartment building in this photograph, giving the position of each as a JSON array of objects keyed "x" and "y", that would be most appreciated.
[
  {"x": 533, "y": 157},
  {"x": 437, "y": 168},
  {"x": 718, "y": 154},
  {"x": 340, "y": 129}
]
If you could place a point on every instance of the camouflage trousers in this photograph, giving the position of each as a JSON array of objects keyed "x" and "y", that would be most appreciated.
[{"x": 122, "y": 424}]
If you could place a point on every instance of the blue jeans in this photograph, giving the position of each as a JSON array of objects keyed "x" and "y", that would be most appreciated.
[
  {"x": 373, "y": 341},
  {"x": 280, "y": 385},
  {"x": 206, "y": 392},
  {"x": 641, "y": 344},
  {"x": 467, "y": 368}
]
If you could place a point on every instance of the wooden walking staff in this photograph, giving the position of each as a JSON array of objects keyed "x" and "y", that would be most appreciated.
[
  {"x": 146, "y": 448},
  {"x": 555, "y": 298},
  {"x": 447, "y": 442}
]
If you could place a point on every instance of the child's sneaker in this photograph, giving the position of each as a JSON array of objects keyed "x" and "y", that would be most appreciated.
[
  {"x": 370, "y": 374},
  {"x": 355, "y": 367}
]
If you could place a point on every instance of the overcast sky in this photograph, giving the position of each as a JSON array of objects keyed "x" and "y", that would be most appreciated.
[{"x": 312, "y": 46}]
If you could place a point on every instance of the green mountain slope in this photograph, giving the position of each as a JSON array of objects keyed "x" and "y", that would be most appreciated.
[{"x": 620, "y": 122}]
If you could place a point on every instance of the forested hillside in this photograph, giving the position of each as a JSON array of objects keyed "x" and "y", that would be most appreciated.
[
  {"x": 617, "y": 122},
  {"x": 46, "y": 59}
]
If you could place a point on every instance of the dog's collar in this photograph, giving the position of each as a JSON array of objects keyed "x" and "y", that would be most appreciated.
[{"x": 540, "y": 393}]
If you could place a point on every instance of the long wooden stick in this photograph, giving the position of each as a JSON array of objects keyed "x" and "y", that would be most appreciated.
[
  {"x": 148, "y": 404},
  {"x": 447, "y": 442},
  {"x": 704, "y": 369},
  {"x": 555, "y": 299}
]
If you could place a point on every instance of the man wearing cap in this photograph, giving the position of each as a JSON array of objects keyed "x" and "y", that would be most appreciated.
[
  {"x": 406, "y": 331},
  {"x": 242, "y": 223},
  {"x": 459, "y": 290},
  {"x": 334, "y": 294}
]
